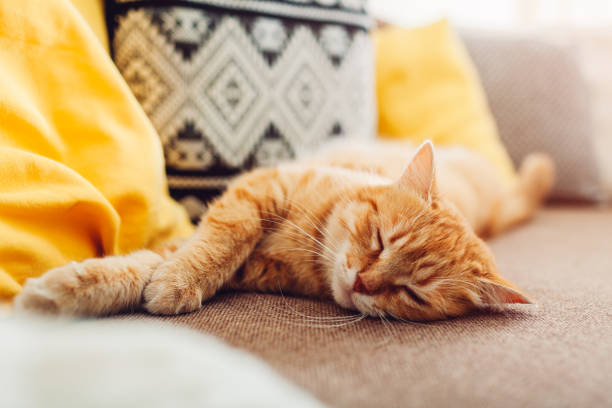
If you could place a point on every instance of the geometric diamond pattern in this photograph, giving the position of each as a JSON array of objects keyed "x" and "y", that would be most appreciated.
[
  {"x": 231, "y": 67},
  {"x": 305, "y": 95},
  {"x": 147, "y": 85},
  {"x": 232, "y": 93}
]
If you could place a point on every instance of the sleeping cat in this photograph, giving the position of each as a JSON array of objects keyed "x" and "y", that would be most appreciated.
[{"x": 355, "y": 225}]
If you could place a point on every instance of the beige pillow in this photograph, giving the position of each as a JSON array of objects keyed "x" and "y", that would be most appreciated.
[
  {"x": 543, "y": 101},
  {"x": 593, "y": 51}
]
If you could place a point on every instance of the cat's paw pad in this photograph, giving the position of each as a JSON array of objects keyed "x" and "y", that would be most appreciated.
[
  {"x": 172, "y": 292},
  {"x": 51, "y": 294}
]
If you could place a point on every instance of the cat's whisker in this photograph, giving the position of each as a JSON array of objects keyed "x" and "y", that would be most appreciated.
[
  {"x": 297, "y": 238},
  {"x": 316, "y": 323},
  {"x": 280, "y": 289},
  {"x": 316, "y": 318},
  {"x": 387, "y": 326},
  {"x": 298, "y": 234},
  {"x": 327, "y": 257},
  {"x": 442, "y": 281},
  {"x": 291, "y": 223},
  {"x": 329, "y": 323},
  {"x": 293, "y": 233},
  {"x": 327, "y": 326},
  {"x": 302, "y": 317},
  {"x": 309, "y": 217},
  {"x": 310, "y": 251}
]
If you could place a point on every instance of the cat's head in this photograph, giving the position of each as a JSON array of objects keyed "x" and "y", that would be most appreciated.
[{"x": 403, "y": 251}]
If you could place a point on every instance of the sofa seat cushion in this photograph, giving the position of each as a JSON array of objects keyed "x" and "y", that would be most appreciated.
[{"x": 556, "y": 354}]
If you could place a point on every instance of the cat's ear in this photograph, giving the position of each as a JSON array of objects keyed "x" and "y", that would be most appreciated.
[
  {"x": 420, "y": 174},
  {"x": 501, "y": 292}
]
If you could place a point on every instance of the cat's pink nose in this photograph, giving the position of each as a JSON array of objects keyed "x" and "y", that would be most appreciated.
[{"x": 358, "y": 286}]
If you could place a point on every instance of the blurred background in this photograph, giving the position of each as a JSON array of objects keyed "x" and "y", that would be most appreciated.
[
  {"x": 545, "y": 66},
  {"x": 500, "y": 14}
]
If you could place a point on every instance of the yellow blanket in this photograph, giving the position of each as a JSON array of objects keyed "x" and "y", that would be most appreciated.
[{"x": 81, "y": 167}]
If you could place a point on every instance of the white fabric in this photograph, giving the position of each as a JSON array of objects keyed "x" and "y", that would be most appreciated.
[{"x": 129, "y": 364}]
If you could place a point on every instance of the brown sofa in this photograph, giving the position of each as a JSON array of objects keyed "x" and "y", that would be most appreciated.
[{"x": 555, "y": 354}]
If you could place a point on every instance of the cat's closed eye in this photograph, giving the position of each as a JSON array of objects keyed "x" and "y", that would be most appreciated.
[
  {"x": 377, "y": 245},
  {"x": 381, "y": 245},
  {"x": 414, "y": 296}
]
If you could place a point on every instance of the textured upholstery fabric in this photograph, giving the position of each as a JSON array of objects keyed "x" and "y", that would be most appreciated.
[
  {"x": 541, "y": 102},
  {"x": 554, "y": 355}
]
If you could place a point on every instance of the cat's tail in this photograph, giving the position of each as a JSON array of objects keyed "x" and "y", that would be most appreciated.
[
  {"x": 537, "y": 175},
  {"x": 536, "y": 180},
  {"x": 94, "y": 287}
]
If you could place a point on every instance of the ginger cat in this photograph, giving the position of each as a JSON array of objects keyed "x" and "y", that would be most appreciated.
[{"x": 350, "y": 225}]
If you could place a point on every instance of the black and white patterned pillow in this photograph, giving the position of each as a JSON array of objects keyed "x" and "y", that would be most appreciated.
[{"x": 235, "y": 84}]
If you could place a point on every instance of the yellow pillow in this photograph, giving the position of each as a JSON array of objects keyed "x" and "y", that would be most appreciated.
[
  {"x": 428, "y": 88},
  {"x": 81, "y": 167}
]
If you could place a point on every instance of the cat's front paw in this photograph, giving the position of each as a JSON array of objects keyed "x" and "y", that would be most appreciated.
[
  {"x": 94, "y": 287},
  {"x": 51, "y": 294},
  {"x": 174, "y": 289}
]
